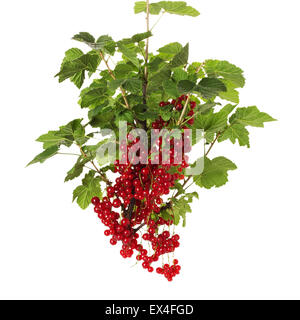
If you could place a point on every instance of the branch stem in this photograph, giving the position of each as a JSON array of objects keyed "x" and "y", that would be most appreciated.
[
  {"x": 158, "y": 20},
  {"x": 206, "y": 154},
  {"x": 184, "y": 110},
  {"x": 213, "y": 143},
  {"x": 69, "y": 154},
  {"x": 93, "y": 164},
  {"x": 114, "y": 78}
]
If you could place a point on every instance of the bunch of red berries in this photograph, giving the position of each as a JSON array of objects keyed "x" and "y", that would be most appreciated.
[{"x": 133, "y": 207}]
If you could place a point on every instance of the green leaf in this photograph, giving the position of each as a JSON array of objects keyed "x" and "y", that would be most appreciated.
[
  {"x": 78, "y": 79},
  {"x": 137, "y": 37},
  {"x": 141, "y": 6},
  {"x": 210, "y": 87},
  {"x": 124, "y": 115},
  {"x": 143, "y": 114},
  {"x": 172, "y": 7},
  {"x": 179, "y": 8},
  {"x": 123, "y": 70},
  {"x": 66, "y": 135},
  {"x": 42, "y": 157},
  {"x": 215, "y": 172},
  {"x": 73, "y": 131},
  {"x": 170, "y": 88},
  {"x": 156, "y": 63},
  {"x": 185, "y": 86},
  {"x": 197, "y": 69},
  {"x": 166, "y": 114},
  {"x": 231, "y": 94},
  {"x": 180, "y": 208},
  {"x": 191, "y": 196},
  {"x": 103, "y": 119},
  {"x": 94, "y": 96},
  {"x": 212, "y": 122},
  {"x": 90, "y": 188},
  {"x": 53, "y": 138},
  {"x": 236, "y": 132},
  {"x": 86, "y": 62},
  {"x": 179, "y": 74},
  {"x": 70, "y": 55},
  {"x": 129, "y": 54},
  {"x": 97, "y": 110},
  {"x": 230, "y": 72},
  {"x": 170, "y": 50},
  {"x": 226, "y": 110},
  {"x": 84, "y": 37},
  {"x": 106, "y": 44},
  {"x": 115, "y": 84},
  {"x": 159, "y": 77},
  {"x": 133, "y": 85},
  {"x": 77, "y": 170},
  {"x": 181, "y": 58},
  {"x": 250, "y": 116}
]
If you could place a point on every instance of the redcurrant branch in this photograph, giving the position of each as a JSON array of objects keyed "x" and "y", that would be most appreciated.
[
  {"x": 93, "y": 164},
  {"x": 138, "y": 228},
  {"x": 213, "y": 143},
  {"x": 184, "y": 109}
]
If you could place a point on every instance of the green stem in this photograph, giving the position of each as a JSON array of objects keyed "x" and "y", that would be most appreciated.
[
  {"x": 158, "y": 20},
  {"x": 69, "y": 154}
]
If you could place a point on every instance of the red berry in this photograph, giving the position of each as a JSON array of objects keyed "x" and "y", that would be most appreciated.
[
  {"x": 116, "y": 203},
  {"x": 113, "y": 242},
  {"x": 95, "y": 201}
]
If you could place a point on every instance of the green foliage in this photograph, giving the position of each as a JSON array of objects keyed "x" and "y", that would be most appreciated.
[
  {"x": 129, "y": 54},
  {"x": 213, "y": 122},
  {"x": 137, "y": 38},
  {"x": 236, "y": 132},
  {"x": 84, "y": 37},
  {"x": 215, "y": 172},
  {"x": 131, "y": 89},
  {"x": 174, "y": 7},
  {"x": 180, "y": 207},
  {"x": 42, "y": 157},
  {"x": 250, "y": 116},
  {"x": 185, "y": 86},
  {"x": 170, "y": 50},
  {"x": 181, "y": 58},
  {"x": 225, "y": 70},
  {"x": 77, "y": 170},
  {"x": 170, "y": 88},
  {"x": 66, "y": 135},
  {"x": 132, "y": 85},
  {"x": 90, "y": 188},
  {"x": 75, "y": 68},
  {"x": 210, "y": 87}
]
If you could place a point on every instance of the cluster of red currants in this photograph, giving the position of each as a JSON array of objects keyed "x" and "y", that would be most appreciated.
[
  {"x": 134, "y": 203},
  {"x": 169, "y": 271},
  {"x": 177, "y": 105}
]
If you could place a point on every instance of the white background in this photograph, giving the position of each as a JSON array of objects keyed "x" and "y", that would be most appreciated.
[{"x": 241, "y": 241}]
